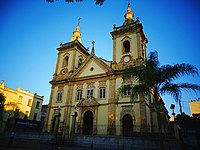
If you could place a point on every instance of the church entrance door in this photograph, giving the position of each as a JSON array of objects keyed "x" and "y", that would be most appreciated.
[
  {"x": 88, "y": 123},
  {"x": 127, "y": 125}
]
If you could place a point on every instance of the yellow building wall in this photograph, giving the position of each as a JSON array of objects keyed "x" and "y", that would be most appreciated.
[
  {"x": 12, "y": 102},
  {"x": 194, "y": 107},
  {"x": 102, "y": 120}
]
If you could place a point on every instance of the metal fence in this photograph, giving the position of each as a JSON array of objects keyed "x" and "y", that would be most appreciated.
[{"x": 105, "y": 130}]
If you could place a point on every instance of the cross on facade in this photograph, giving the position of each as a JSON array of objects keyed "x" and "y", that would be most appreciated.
[{"x": 93, "y": 46}]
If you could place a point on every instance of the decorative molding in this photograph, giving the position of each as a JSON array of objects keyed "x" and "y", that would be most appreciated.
[
  {"x": 60, "y": 88},
  {"x": 127, "y": 82},
  {"x": 102, "y": 84},
  {"x": 90, "y": 85},
  {"x": 79, "y": 87}
]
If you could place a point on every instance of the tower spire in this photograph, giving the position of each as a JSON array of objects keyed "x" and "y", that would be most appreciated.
[
  {"x": 129, "y": 16},
  {"x": 77, "y": 33}
]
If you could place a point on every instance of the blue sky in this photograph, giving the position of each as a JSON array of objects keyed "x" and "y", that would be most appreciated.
[{"x": 31, "y": 30}]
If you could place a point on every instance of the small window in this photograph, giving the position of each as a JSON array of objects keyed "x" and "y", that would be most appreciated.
[
  {"x": 80, "y": 62},
  {"x": 65, "y": 61},
  {"x": 59, "y": 97},
  {"x": 79, "y": 95},
  {"x": 37, "y": 105},
  {"x": 90, "y": 93},
  {"x": 29, "y": 102},
  {"x": 35, "y": 116},
  {"x": 91, "y": 69},
  {"x": 102, "y": 93},
  {"x": 20, "y": 99},
  {"x": 127, "y": 90},
  {"x": 126, "y": 46}
]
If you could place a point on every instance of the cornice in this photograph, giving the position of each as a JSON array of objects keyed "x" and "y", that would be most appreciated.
[
  {"x": 72, "y": 45},
  {"x": 126, "y": 28}
]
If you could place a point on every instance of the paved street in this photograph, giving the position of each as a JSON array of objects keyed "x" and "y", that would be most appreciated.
[
  {"x": 19, "y": 145},
  {"x": 42, "y": 147}
]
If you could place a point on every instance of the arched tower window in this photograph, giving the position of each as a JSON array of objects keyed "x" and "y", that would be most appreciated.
[
  {"x": 80, "y": 62},
  {"x": 126, "y": 46},
  {"x": 65, "y": 61}
]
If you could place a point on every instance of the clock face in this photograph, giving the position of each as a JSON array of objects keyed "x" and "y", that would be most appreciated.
[
  {"x": 126, "y": 59},
  {"x": 63, "y": 71}
]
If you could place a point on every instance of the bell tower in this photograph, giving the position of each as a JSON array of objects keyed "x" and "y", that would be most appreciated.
[
  {"x": 129, "y": 42},
  {"x": 71, "y": 56}
]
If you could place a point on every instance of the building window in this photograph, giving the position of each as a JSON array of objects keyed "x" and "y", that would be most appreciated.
[
  {"x": 35, "y": 116},
  {"x": 59, "y": 98},
  {"x": 20, "y": 99},
  {"x": 26, "y": 115},
  {"x": 102, "y": 93},
  {"x": 126, "y": 46},
  {"x": 80, "y": 62},
  {"x": 127, "y": 90},
  {"x": 90, "y": 93},
  {"x": 29, "y": 102},
  {"x": 79, "y": 95},
  {"x": 37, "y": 105},
  {"x": 65, "y": 61}
]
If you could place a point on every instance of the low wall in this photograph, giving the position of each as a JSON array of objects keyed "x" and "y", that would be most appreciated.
[
  {"x": 33, "y": 137},
  {"x": 122, "y": 143}
]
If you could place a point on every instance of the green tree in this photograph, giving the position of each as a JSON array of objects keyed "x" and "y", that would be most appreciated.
[
  {"x": 156, "y": 80},
  {"x": 2, "y": 104},
  {"x": 98, "y": 2}
]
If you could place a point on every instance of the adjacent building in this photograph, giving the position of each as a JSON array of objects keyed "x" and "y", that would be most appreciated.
[
  {"x": 24, "y": 104},
  {"x": 85, "y": 95},
  {"x": 195, "y": 107}
]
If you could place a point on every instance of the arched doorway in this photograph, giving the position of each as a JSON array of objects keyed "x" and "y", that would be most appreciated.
[
  {"x": 127, "y": 125},
  {"x": 88, "y": 123}
]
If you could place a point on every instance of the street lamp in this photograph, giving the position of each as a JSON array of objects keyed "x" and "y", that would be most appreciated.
[{"x": 172, "y": 107}]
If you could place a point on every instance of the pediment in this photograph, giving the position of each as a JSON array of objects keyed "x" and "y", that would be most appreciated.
[
  {"x": 91, "y": 67},
  {"x": 88, "y": 102}
]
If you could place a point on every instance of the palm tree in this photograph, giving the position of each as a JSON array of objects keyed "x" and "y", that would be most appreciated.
[
  {"x": 156, "y": 80},
  {"x": 98, "y": 2}
]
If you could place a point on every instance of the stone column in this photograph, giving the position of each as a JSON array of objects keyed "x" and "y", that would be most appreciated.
[
  {"x": 111, "y": 108},
  {"x": 143, "y": 117}
]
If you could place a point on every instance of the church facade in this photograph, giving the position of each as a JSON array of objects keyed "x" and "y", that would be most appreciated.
[{"x": 85, "y": 97}]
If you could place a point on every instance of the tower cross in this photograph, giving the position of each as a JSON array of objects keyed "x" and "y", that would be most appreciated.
[
  {"x": 79, "y": 21},
  {"x": 92, "y": 47},
  {"x": 93, "y": 44}
]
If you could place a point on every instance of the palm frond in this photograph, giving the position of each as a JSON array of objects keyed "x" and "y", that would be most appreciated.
[
  {"x": 169, "y": 72},
  {"x": 173, "y": 90},
  {"x": 98, "y": 2},
  {"x": 139, "y": 89},
  {"x": 135, "y": 91}
]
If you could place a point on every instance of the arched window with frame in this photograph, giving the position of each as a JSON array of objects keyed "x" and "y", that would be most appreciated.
[
  {"x": 65, "y": 61},
  {"x": 126, "y": 45},
  {"x": 79, "y": 62}
]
